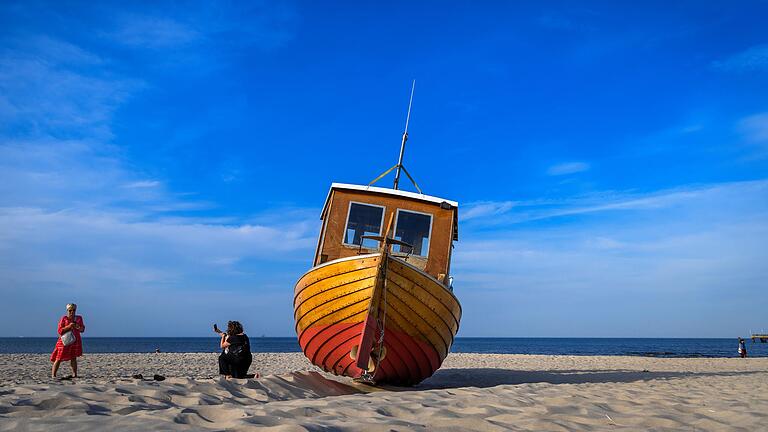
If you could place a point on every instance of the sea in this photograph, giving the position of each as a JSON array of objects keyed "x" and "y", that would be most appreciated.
[{"x": 644, "y": 347}]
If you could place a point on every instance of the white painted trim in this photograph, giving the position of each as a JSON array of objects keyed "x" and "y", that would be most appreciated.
[
  {"x": 387, "y": 191},
  {"x": 429, "y": 235},
  {"x": 346, "y": 223}
]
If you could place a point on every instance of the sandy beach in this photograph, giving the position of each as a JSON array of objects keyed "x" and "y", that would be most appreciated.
[{"x": 486, "y": 392}]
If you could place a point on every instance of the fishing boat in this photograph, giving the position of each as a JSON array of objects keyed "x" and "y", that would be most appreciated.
[{"x": 378, "y": 303}]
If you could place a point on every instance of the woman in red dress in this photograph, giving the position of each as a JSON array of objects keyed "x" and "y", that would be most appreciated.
[{"x": 67, "y": 323}]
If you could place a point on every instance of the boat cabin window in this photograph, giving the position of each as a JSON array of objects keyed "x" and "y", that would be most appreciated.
[
  {"x": 363, "y": 219},
  {"x": 413, "y": 228}
]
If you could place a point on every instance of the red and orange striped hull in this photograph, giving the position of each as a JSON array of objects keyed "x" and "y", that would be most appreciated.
[{"x": 403, "y": 319}]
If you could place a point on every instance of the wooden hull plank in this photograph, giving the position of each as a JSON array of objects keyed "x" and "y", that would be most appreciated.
[
  {"x": 345, "y": 295},
  {"x": 341, "y": 277},
  {"x": 430, "y": 285}
]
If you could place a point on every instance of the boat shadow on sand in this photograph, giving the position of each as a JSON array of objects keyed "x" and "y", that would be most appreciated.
[
  {"x": 316, "y": 385},
  {"x": 491, "y": 377}
]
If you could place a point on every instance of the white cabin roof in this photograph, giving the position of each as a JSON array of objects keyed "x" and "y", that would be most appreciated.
[{"x": 388, "y": 191}]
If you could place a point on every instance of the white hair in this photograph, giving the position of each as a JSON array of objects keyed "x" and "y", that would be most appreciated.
[{"x": 71, "y": 306}]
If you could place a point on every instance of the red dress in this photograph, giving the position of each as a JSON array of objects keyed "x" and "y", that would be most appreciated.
[{"x": 61, "y": 352}]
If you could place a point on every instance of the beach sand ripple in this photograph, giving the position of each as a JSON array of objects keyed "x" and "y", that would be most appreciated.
[{"x": 484, "y": 392}]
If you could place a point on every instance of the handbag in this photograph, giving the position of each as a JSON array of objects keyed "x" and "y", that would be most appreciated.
[
  {"x": 68, "y": 338},
  {"x": 240, "y": 349}
]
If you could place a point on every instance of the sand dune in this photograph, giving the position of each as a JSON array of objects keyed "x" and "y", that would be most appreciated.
[{"x": 472, "y": 392}]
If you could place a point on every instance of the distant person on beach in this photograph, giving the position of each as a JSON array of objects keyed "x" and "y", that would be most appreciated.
[
  {"x": 742, "y": 348},
  {"x": 236, "y": 357},
  {"x": 69, "y": 325}
]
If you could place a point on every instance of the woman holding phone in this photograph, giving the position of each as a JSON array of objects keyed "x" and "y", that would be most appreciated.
[{"x": 236, "y": 357}]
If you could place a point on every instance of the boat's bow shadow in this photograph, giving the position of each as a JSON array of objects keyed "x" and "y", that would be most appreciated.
[{"x": 491, "y": 377}]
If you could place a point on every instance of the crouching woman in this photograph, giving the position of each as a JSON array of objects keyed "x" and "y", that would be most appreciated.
[{"x": 236, "y": 357}]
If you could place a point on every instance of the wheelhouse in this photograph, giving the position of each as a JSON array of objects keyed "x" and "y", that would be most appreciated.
[{"x": 424, "y": 226}]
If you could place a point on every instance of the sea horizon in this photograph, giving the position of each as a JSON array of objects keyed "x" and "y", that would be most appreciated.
[{"x": 582, "y": 346}]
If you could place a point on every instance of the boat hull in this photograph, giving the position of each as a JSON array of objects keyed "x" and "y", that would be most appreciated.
[{"x": 404, "y": 320}]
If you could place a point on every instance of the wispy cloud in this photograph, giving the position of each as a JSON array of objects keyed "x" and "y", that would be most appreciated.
[
  {"x": 701, "y": 248},
  {"x": 751, "y": 59},
  {"x": 113, "y": 262},
  {"x": 153, "y": 32},
  {"x": 56, "y": 51},
  {"x": 755, "y": 128},
  {"x": 485, "y": 209},
  {"x": 143, "y": 184},
  {"x": 44, "y": 90},
  {"x": 609, "y": 201},
  {"x": 567, "y": 168},
  {"x": 79, "y": 221},
  {"x": 213, "y": 27},
  {"x": 53, "y": 174}
]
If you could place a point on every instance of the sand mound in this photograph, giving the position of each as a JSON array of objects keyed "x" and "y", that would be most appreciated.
[{"x": 473, "y": 392}]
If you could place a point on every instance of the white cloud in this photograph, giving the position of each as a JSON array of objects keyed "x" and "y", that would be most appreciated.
[
  {"x": 143, "y": 184},
  {"x": 212, "y": 28},
  {"x": 754, "y": 131},
  {"x": 178, "y": 246},
  {"x": 53, "y": 174},
  {"x": 107, "y": 259},
  {"x": 752, "y": 59},
  {"x": 605, "y": 243},
  {"x": 56, "y": 51},
  {"x": 683, "y": 262},
  {"x": 78, "y": 222},
  {"x": 755, "y": 128},
  {"x": 153, "y": 32},
  {"x": 43, "y": 90},
  {"x": 567, "y": 168},
  {"x": 485, "y": 209},
  {"x": 611, "y": 201}
]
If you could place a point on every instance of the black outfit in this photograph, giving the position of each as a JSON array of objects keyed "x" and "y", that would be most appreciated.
[{"x": 236, "y": 359}]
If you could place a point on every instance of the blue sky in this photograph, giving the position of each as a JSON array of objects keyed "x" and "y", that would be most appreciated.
[{"x": 164, "y": 165}]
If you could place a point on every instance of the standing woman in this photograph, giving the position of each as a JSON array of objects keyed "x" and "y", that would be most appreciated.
[{"x": 68, "y": 323}]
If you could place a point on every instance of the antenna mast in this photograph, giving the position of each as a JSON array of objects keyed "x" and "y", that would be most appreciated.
[
  {"x": 405, "y": 138},
  {"x": 399, "y": 165}
]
